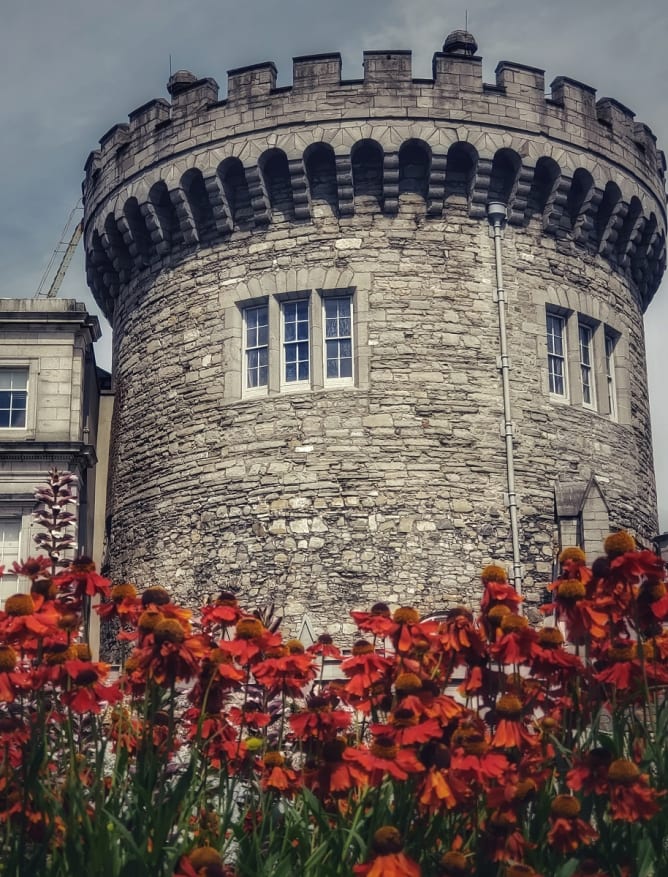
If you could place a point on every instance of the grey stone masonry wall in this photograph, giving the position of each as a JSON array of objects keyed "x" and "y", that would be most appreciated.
[{"x": 329, "y": 495}]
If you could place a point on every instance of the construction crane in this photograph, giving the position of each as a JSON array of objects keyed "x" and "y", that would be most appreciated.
[{"x": 62, "y": 255}]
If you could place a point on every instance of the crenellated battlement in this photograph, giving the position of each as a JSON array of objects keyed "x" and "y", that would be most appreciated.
[
  {"x": 160, "y": 183},
  {"x": 456, "y": 93}
]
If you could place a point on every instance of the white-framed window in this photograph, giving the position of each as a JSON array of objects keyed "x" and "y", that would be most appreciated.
[
  {"x": 256, "y": 347},
  {"x": 10, "y": 547},
  {"x": 586, "y": 336},
  {"x": 13, "y": 397},
  {"x": 338, "y": 340},
  {"x": 296, "y": 341},
  {"x": 556, "y": 354},
  {"x": 610, "y": 342},
  {"x": 296, "y": 347}
]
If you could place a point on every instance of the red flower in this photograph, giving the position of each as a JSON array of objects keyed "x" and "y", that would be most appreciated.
[
  {"x": 631, "y": 797},
  {"x": 252, "y": 639},
  {"x": 172, "y": 655},
  {"x": 518, "y": 642},
  {"x": 88, "y": 692},
  {"x": 332, "y": 775},
  {"x": 325, "y": 648},
  {"x": 567, "y": 831},
  {"x": 590, "y": 772},
  {"x": 319, "y": 720},
  {"x": 33, "y": 567},
  {"x": 388, "y": 860},
  {"x": 11, "y": 679},
  {"x": 378, "y": 621},
  {"x": 288, "y": 674},
  {"x": 383, "y": 758},
  {"x": 365, "y": 668},
  {"x": 459, "y": 634},
  {"x": 82, "y": 581},
  {"x": 223, "y": 612}
]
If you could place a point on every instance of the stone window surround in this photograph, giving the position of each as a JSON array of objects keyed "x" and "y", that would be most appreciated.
[
  {"x": 20, "y": 433},
  {"x": 272, "y": 289},
  {"x": 579, "y": 309}
]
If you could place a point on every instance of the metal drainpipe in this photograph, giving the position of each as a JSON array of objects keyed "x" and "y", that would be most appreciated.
[{"x": 496, "y": 213}]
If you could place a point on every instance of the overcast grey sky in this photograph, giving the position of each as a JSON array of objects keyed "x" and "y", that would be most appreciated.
[{"x": 70, "y": 69}]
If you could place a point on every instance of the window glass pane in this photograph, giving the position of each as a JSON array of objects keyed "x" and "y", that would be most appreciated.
[
  {"x": 296, "y": 340},
  {"x": 555, "y": 354},
  {"x": 338, "y": 335},
  {"x": 257, "y": 352},
  {"x": 18, "y": 418},
  {"x": 586, "y": 335}
]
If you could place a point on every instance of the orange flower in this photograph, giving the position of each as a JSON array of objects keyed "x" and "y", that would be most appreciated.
[
  {"x": 459, "y": 634},
  {"x": 364, "y": 669},
  {"x": 388, "y": 860},
  {"x": 276, "y": 776},
  {"x": 436, "y": 793},
  {"x": 511, "y": 731}
]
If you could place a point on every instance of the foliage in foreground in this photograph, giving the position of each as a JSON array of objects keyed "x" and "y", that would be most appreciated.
[{"x": 473, "y": 746}]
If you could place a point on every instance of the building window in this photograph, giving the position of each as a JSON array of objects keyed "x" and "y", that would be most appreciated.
[
  {"x": 610, "y": 375},
  {"x": 586, "y": 368},
  {"x": 297, "y": 340},
  {"x": 556, "y": 354},
  {"x": 296, "y": 348},
  {"x": 13, "y": 397},
  {"x": 10, "y": 536},
  {"x": 256, "y": 323},
  {"x": 338, "y": 338}
]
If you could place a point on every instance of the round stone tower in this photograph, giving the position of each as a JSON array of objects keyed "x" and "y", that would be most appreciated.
[{"x": 371, "y": 334}]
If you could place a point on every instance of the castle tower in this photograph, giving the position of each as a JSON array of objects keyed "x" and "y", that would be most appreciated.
[{"x": 344, "y": 310}]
